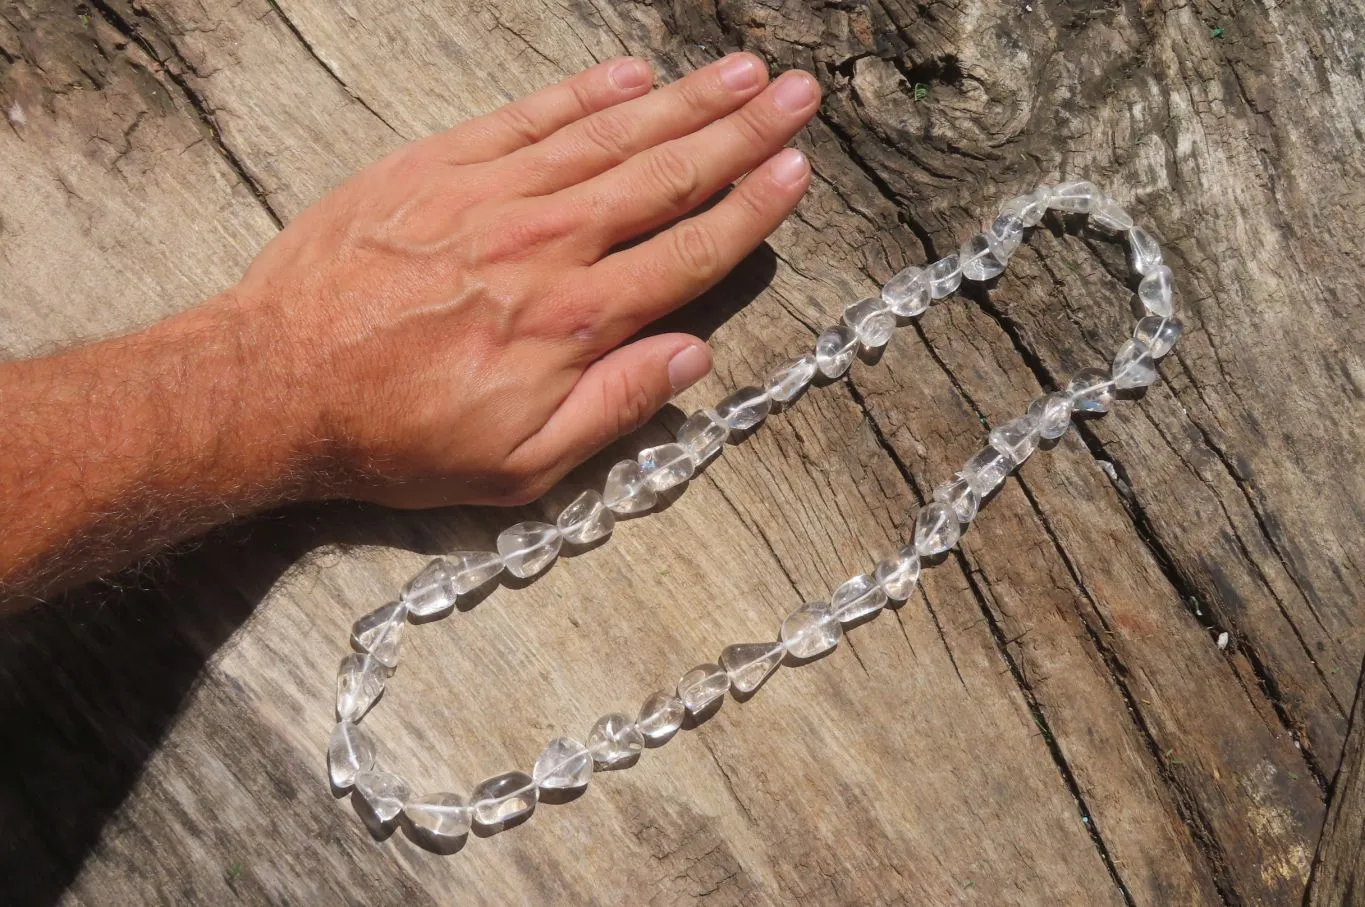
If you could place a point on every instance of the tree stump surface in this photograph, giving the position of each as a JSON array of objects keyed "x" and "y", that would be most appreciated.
[{"x": 1048, "y": 720}]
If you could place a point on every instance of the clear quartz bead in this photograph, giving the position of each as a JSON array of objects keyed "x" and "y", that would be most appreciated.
[
  {"x": 898, "y": 573},
  {"x": 444, "y": 816},
  {"x": 666, "y": 466},
  {"x": 978, "y": 259},
  {"x": 566, "y": 764},
  {"x": 1144, "y": 250},
  {"x": 791, "y": 378},
  {"x": 1109, "y": 215},
  {"x": 945, "y": 275},
  {"x": 810, "y": 630},
  {"x": 1005, "y": 235},
  {"x": 586, "y": 519},
  {"x": 471, "y": 569},
  {"x": 986, "y": 470},
  {"x": 936, "y": 529},
  {"x": 908, "y": 293},
  {"x": 1157, "y": 292},
  {"x": 835, "y": 349},
  {"x": 1133, "y": 366},
  {"x": 1029, "y": 208},
  {"x": 380, "y": 632},
  {"x": 702, "y": 686},
  {"x": 750, "y": 663},
  {"x": 360, "y": 680},
  {"x": 503, "y": 798},
  {"x": 957, "y": 494},
  {"x": 1091, "y": 390},
  {"x": 856, "y": 599},
  {"x": 349, "y": 752},
  {"x": 614, "y": 739},
  {"x": 1077, "y": 196},
  {"x": 703, "y": 434},
  {"x": 432, "y": 590},
  {"x": 384, "y": 791},
  {"x": 1158, "y": 334},
  {"x": 871, "y": 321},
  {"x": 530, "y": 547},
  {"x": 1017, "y": 438},
  {"x": 660, "y": 716},
  {"x": 744, "y": 409},
  {"x": 1052, "y": 412},
  {"x": 626, "y": 490}
]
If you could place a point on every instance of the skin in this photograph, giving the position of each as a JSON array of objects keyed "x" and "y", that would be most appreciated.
[{"x": 445, "y": 327}]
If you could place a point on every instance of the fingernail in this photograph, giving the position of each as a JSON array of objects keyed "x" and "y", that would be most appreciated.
[
  {"x": 739, "y": 72},
  {"x": 629, "y": 73},
  {"x": 688, "y": 366},
  {"x": 789, "y": 167},
  {"x": 794, "y": 92}
]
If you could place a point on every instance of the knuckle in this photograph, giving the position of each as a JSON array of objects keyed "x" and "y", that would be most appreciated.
[
  {"x": 608, "y": 131},
  {"x": 517, "y": 121},
  {"x": 629, "y": 401},
  {"x": 673, "y": 175},
  {"x": 515, "y": 235},
  {"x": 695, "y": 250},
  {"x": 751, "y": 201},
  {"x": 753, "y": 124}
]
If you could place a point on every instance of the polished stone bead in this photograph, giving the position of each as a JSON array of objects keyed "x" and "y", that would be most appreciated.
[
  {"x": 528, "y": 548},
  {"x": 1109, "y": 215},
  {"x": 384, "y": 791},
  {"x": 666, "y": 466},
  {"x": 445, "y": 817},
  {"x": 978, "y": 258},
  {"x": 1158, "y": 334},
  {"x": 856, "y": 599},
  {"x": 360, "y": 680},
  {"x": 835, "y": 349},
  {"x": 349, "y": 752},
  {"x": 1133, "y": 366},
  {"x": 1017, "y": 438},
  {"x": 1077, "y": 196},
  {"x": 744, "y": 409},
  {"x": 1144, "y": 250},
  {"x": 586, "y": 519},
  {"x": 936, "y": 529},
  {"x": 380, "y": 631},
  {"x": 1052, "y": 412},
  {"x": 471, "y": 569},
  {"x": 626, "y": 490},
  {"x": 1157, "y": 292},
  {"x": 750, "y": 663},
  {"x": 791, "y": 378},
  {"x": 898, "y": 573},
  {"x": 957, "y": 494},
  {"x": 432, "y": 590},
  {"x": 810, "y": 630},
  {"x": 566, "y": 764},
  {"x": 945, "y": 275},
  {"x": 908, "y": 293},
  {"x": 872, "y": 321},
  {"x": 702, "y": 686},
  {"x": 1029, "y": 208},
  {"x": 1091, "y": 390},
  {"x": 1005, "y": 235},
  {"x": 660, "y": 716},
  {"x": 503, "y": 798},
  {"x": 703, "y": 434},
  {"x": 614, "y": 739},
  {"x": 987, "y": 469}
]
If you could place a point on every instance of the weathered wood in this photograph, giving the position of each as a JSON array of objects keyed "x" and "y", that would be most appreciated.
[
  {"x": 1339, "y": 864},
  {"x": 1049, "y": 721}
]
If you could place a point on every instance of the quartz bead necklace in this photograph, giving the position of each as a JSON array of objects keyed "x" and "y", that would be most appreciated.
[{"x": 632, "y": 486}]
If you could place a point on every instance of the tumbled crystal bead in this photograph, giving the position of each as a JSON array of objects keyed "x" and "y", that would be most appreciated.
[
  {"x": 702, "y": 686},
  {"x": 660, "y": 716},
  {"x": 810, "y": 630},
  {"x": 791, "y": 378},
  {"x": 1145, "y": 251},
  {"x": 703, "y": 434},
  {"x": 1005, "y": 235},
  {"x": 1157, "y": 291},
  {"x": 380, "y": 631},
  {"x": 1052, "y": 412},
  {"x": 349, "y": 752},
  {"x": 503, "y": 798},
  {"x": 936, "y": 529},
  {"x": 626, "y": 490},
  {"x": 835, "y": 349},
  {"x": 666, "y": 466},
  {"x": 528, "y": 548},
  {"x": 384, "y": 791},
  {"x": 1158, "y": 334},
  {"x": 586, "y": 519},
  {"x": 1029, "y": 208},
  {"x": 443, "y": 816},
  {"x": 1133, "y": 366},
  {"x": 986, "y": 470},
  {"x": 750, "y": 663},
  {"x": 1017, "y": 438},
  {"x": 471, "y": 569},
  {"x": 432, "y": 590},
  {"x": 898, "y": 573},
  {"x": 360, "y": 680},
  {"x": 856, "y": 599},
  {"x": 957, "y": 493},
  {"x": 908, "y": 293},
  {"x": 744, "y": 409},
  {"x": 1109, "y": 215},
  {"x": 566, "y": 764},
  {"x": 871, "y": 321},
  {"x": 1078, "y": 196},
  {"x": 614, "y": 739},
  {"x": 945, "y": 275},
  {"x": 978, "y": 258},
  {"x": 1091, "y": 390}
]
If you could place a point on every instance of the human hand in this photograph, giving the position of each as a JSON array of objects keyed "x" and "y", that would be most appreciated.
[{"x": 449, "y": 320}]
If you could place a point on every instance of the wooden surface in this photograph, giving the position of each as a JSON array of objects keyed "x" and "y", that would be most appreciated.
[
  {"x": 1049, "y": 721},
  {"x": 1339, "y": 870}
]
